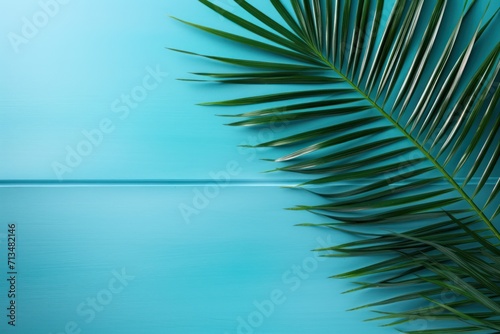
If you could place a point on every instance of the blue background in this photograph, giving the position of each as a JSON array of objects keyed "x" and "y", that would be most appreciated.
[{"x": 198, "y": 271}]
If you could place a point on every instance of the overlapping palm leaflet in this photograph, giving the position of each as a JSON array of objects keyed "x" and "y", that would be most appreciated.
[{"x": 404, "y": 112}]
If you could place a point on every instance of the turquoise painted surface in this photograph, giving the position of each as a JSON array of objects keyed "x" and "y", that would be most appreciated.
[
  {"x": 98, "y": 62},
  {"x": 204, "y": 258},
  {"x": 196, "y": 276},
  {"x": 100, "y": 66}
]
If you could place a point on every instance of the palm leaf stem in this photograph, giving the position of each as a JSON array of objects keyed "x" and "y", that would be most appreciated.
[{"x": 436, "y": 164}]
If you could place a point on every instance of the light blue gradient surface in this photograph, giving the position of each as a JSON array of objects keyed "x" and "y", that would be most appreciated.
[
  {"x": 75, "y": 72},
  {"x": 196, "y": 277},
  {"x": 194, "y": 272}
]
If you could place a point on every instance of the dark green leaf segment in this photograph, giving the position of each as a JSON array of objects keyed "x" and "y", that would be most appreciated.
[{"x": 391, "y": 110}]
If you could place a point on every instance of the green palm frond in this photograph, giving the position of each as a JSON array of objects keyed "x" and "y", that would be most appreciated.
[{"x": 386, "y": 99}]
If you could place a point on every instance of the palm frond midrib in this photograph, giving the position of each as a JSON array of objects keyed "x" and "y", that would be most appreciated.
[{"x": 446, "y": 175}]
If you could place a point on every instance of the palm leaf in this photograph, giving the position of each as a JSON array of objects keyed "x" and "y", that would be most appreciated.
[{"x": 409, "y": 118}]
